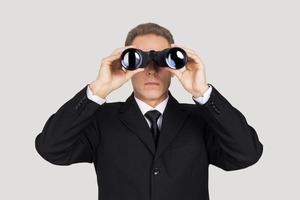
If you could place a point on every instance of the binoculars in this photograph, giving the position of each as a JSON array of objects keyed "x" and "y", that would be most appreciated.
[{"x": 133, "y": 58}]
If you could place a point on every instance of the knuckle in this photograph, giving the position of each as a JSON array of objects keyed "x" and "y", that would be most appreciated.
[{"x": 118, "y": 50}]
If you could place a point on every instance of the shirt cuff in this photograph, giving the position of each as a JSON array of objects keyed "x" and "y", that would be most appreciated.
[
  {"x": 94, "y": 98},
  {"x": 205, "y": 97}
]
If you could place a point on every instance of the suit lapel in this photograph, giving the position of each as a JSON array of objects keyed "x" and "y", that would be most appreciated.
[
  {"x": 132, "y": 117},
  {"x": 173, "y": 119}
]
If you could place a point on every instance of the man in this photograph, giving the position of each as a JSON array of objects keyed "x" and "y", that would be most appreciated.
[{"x": 150, "y": 147}]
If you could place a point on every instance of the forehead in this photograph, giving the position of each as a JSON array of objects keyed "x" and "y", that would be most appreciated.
[{"x": 151, "y": 42}]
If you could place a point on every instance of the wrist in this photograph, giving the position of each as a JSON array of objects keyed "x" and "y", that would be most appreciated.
[
  {"x": 99, "y": 89},
  {"x": 201, "y": 92}
]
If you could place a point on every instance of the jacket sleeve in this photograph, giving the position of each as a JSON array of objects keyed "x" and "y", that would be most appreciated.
[
  {"x": 231, "y": 142},
  {"x": 71, "y": 134}
]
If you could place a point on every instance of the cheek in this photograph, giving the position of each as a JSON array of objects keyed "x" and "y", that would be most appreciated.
[
  {"x": 140, "y": 75},
  {"x": 166, "y": 78},
  {"x": 137, "y": 80}
]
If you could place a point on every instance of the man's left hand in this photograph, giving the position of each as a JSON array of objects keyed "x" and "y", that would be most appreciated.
[{"x": 192, "y": 76}]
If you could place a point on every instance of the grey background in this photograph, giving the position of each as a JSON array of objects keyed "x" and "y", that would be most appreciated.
[{"x": 52, "y": 49}]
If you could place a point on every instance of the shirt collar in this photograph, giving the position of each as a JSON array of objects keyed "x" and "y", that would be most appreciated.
[{"x": 144, "y": 107}]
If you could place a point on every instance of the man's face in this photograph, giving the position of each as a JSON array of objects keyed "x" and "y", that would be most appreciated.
[{"x": 154, "y": 81}]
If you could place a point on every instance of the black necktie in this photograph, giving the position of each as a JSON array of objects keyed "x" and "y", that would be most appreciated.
[{"x": 153, "y": 115}]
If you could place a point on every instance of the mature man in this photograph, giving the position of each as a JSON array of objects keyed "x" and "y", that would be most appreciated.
[{"x": 150, "y": 147}]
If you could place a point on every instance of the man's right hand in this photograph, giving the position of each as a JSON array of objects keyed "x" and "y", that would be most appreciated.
[{"x": 111, "y": 76}]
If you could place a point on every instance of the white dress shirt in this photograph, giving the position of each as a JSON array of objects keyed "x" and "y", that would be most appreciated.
[{"x": 144, "y": 107}]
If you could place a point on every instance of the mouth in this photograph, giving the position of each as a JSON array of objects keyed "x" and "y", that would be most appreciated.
[{"x": 152, "y": 83}]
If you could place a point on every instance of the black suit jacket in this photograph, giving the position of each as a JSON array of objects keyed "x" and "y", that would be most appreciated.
[{"x": 116, "y": 138}]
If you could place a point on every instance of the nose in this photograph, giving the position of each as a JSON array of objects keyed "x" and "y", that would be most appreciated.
[{"x": 152, "y": 67}]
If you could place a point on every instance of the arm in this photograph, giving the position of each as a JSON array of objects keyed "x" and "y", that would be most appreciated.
[
  {"x": 231, "y": 142},
  {"x": 71, "y": 134},
  {"x": 203, "y": 99}
]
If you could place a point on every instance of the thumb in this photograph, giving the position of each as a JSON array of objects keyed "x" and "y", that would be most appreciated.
[{"x": 174, "y": 72}]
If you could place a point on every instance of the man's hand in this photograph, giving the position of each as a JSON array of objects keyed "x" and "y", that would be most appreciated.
[
  {"x": 192, "y": 76},
  {"x": 111, "y": 76}
]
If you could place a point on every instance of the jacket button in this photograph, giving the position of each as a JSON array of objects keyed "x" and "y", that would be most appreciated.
[{"x": 156, "y": 171}]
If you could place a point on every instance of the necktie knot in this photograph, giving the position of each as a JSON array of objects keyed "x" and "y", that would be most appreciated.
[{"x": 152, "y": 115}]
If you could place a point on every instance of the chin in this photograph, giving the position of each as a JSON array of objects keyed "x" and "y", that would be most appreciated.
[{"x": 151, "y": 95}]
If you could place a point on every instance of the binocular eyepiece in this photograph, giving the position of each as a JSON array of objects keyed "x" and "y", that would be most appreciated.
[{"x": 133, "y": 58}]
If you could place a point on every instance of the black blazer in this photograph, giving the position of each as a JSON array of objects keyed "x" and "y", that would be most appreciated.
[{"x": 116, "y": 138}]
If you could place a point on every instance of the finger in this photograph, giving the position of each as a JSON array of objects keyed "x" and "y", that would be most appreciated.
[
  {"x": 184, "y": 48},
  {"x": 191, "y": 51},
  {"x": 116, "y": 54},
  {"x": 175, "y": 72},
  {"x": 111, "y": 58},
  {"x": 194, "y": 63},
  {"x": 187, "y": 50},
  {"x": 194, "y": 57},
  {"x": 121, "y": 49}
]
